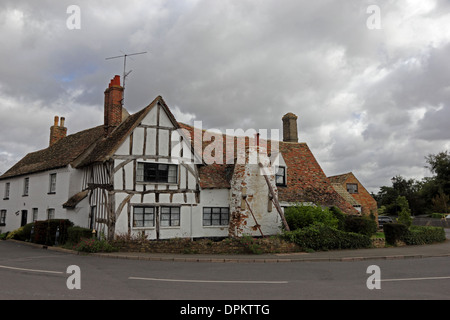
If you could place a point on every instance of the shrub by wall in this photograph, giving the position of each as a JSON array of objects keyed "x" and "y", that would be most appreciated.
[
  {"x": 414, "y": 235},
  {"x": 424, "y": 235},
  {"x": 322, "y": 237},
  {"x": 363, "y": 225},
  {"x": 301, "y": 216},
  {"x": 75, "y": 234}
]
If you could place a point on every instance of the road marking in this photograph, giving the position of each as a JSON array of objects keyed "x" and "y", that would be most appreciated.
[
  {"x": 414, "y": 279},
  {"x": 209, "y": 281},
  {"x": 32, "y": 270}
]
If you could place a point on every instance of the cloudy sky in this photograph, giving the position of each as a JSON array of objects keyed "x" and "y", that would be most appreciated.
[{"x": 369, "y": 80}]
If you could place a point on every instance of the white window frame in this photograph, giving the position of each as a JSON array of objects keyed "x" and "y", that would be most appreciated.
[{"x": 52, "y": 183}]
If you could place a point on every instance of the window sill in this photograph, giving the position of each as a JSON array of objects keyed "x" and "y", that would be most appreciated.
[{"x": 51, "y": 192}]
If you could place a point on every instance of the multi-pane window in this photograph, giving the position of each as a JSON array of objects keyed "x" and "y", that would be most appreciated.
[
  {"x": 170, "y": 216},
  {"x": 352, "y": 188},
  {"x": 215, "y": 216},
  {"x": 280, "y": 176},
  {"x": 7, "y": 187},
  {"x": 2, "y": 217},
  {"x": 157, "y": 172},
  {"x": 50, "y": 213},
  {"x": 52, "y": 183},
  {"x": 26, "y": 185},
  {"x": 35, "y": 214},
  {"x": 143, "y": 216}
]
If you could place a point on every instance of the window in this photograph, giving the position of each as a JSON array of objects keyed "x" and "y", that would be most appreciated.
[
  {"x": 26, "y": 184},
  {"x": 170, "y": 216},
  {"x": 352, "y": 188},
  {"x": 143, "y": 217},
  {"x": 35, "y": 214},
  {"x": 157, "y": 172},
  {"x": 50, "y": 213},
  {"x": 7, "y": 187},
  {"x": 215, "y": 216},
  {"x": 52, "y": 183},
  {"x": 280, "y": 176},
  {"x": 2, "y": 217}
]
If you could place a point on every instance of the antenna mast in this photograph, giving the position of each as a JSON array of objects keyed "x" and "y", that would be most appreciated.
[{"x": 125, "y": 74}]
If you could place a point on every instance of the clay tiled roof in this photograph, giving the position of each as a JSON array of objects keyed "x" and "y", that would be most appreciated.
[{"x": 306, "y": 182}]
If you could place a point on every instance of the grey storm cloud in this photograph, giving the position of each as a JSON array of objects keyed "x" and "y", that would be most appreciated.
[{"x": 371, "y": 101}]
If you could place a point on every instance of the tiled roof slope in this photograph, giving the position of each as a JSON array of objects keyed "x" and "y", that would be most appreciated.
[
  {"x": 306, "y": 182},
  {"x": 58, "y": 155}
]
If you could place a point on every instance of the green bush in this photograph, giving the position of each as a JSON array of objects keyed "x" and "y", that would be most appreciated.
[
  {"x": 424, "y": 235},
  {"x": 394, "y": 232},
  {"x": 301, "y": 216},
  {"x": 22, "y": 233},
  {"x": 362, "y": 225},
  {"x": 75, "y": 234},
  {"x": 323, "y": 237},
  {"x": 415, "y": 235}
]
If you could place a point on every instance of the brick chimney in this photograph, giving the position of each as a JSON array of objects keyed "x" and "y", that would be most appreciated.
[
  {"x": 57, "y": 131},
  {"x": 290, "y": 133},
  {"x": 113, "y": 105}
]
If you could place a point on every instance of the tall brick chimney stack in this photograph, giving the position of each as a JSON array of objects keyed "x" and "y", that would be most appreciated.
[
  {"x": 113, "y": 105},
  {"x": 290, "y": 133},
  {"x": 57, "y": 131}
]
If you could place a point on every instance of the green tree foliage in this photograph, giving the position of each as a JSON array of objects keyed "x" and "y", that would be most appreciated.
[{"x": 424, "y": 196}]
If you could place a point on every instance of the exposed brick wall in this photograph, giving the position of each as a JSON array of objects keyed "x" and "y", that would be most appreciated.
[
  {"x": 57, "y": 131},
  {"x": 367, "y": 202},
  {"x": 113, "y": 105},
  {"x": 306, "y": 181}
]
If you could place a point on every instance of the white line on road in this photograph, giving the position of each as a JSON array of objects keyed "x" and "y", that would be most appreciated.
[
  {"x": 414, "y": 279},
  {"x": 209, "y": 281},
  {"x": 31, "y": 270}
]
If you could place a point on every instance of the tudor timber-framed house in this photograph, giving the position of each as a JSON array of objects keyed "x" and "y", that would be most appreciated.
[{"x": 143, "y": 174}]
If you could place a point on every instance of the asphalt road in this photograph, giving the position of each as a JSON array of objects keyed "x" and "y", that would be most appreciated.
[{"x": 28, "y": 272}]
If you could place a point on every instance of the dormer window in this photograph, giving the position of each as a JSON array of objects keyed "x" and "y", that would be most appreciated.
[{"x": 280, "y": 176}]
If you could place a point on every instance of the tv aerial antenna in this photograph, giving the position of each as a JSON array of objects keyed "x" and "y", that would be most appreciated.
[{"x": 125, "y": 73}]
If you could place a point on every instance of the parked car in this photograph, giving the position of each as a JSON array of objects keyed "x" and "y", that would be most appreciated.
[{"x": 384, "y": 219}]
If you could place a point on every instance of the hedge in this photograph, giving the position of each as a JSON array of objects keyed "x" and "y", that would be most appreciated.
[
  {"x": 414, "y": 235},
  {"x": 45, "y": 231},
  {"x": 322, "y": 237},
  {"x": 75, "y": 234},
  {"x": 363, "y": 225}
]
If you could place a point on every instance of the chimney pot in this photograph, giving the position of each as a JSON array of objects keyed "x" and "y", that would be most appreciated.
[{"x": 57, "y": 132}]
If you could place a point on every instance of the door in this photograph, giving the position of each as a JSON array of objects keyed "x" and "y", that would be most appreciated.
[{"x": 24, "y": 218}]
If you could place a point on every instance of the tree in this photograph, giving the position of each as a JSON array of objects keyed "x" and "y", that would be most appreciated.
[
  {"x": 439, "y": 165},
  {"x": 441, "y": 202},
  {"x": 404, "y": 216}
]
